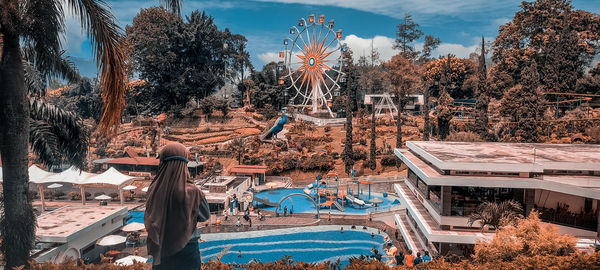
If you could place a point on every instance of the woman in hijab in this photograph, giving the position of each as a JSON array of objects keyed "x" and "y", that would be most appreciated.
[{"x": 173, "y": 208}]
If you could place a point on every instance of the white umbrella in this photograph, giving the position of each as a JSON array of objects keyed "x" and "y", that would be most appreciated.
[
  {"x": 111, "y": 240},
  {"x": 133, "y": 227},
  {"x": 145, "y": 189},
  {"x": 129, "y": 260},
  {"x": 55, "y": 185},
  {"x": 103, "y": 198},
  {"x": 130, "y": 187}
]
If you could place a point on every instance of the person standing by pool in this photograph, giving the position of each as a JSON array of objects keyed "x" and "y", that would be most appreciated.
[
  {"x": 174, "y": 206},
  {"x": 329, "y": 216},
  {"x": 396, "y": 233},
  {"x": 285, "y": 211},
  {"x": 418, "y": 259},
  {"x": 409, "y": 258},
  {"x": 426, "y": 257}
]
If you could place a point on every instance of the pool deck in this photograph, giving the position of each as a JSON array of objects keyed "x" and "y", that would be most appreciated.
[{"x": 262, "y": 233}]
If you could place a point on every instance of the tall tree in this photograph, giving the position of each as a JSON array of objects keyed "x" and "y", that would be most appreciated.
[
  {"x": 429, "y": 45},
  {"x": 483, "y": 99},
  {"x": 373, "y": 145},
  {"x": 35, "y": 28},
  {"x": 349, "y": 88},
  {"x": 524, "y": 105},
  {"x": 559, "y": 39},
  {"x": 445, "y": 101},
  {"x": 403, "y": 79},
  {"x": 407, "y": 32}
]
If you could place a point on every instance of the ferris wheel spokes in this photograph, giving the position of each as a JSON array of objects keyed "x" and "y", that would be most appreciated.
[{"x": 314, "y": 52}]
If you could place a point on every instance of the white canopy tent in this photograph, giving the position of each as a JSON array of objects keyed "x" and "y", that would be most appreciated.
[
  {"x": 111, "y": 177},
  {"x": 36, "y": 176}
]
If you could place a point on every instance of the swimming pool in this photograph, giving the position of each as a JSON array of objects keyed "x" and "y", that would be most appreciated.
[
  {"x": 302, "y": 204},
  {"x": 308, "y": 244}
]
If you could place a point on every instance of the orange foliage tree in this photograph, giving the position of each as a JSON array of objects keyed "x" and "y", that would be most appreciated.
[{"x": 403, "y": 79}]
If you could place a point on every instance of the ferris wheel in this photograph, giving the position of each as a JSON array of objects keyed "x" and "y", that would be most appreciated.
[{"x": 313, "y": 63}]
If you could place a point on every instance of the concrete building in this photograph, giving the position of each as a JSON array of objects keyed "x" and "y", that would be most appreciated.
[
  {"x": 221, "y": 191},
  {"x": 446, "y": 181},
  {"x": 71, "y": 232}
]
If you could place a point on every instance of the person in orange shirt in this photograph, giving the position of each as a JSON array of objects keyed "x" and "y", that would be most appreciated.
[{"x": 409, "y": 258}]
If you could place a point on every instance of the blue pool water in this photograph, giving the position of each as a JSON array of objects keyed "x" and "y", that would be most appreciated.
[
  {"x": 302, "y": 204},
  {"x": 135, "y": 216},
  {"x": 308, "y": 244}
]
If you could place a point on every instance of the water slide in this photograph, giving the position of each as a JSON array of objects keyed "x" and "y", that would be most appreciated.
[
  {"x": 278, "y": 127},
  {"x": 265, "y": 202},
  {"x": 355, "y": 200},
  {"x": 338, "y": 206}
]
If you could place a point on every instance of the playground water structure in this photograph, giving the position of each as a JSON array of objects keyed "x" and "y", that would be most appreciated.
[
  {"x": 353, "y": 204},
  {"x": 308, "y": 244}
]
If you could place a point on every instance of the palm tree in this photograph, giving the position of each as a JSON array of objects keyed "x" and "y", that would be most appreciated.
[
  {"x": 495, "y": 215},
  {"x": 32, "y": 30}
]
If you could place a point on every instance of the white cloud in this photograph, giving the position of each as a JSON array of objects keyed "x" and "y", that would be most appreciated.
[
  {"x": 362, "y": 46},
  {"x": 268, "y": 57}
]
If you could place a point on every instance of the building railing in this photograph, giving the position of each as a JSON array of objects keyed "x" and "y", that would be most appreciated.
[
  {"x": 387, "y": 208},
  {"x": 462, "y": 211},
  {"x": 565, "y": 218}
]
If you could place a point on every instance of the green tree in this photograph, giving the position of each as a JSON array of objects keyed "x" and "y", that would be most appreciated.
[
  {"x": 524, "y": 106},
  {"x": 429, "y": 45},
  {"x": 349, "y": 88},
  {"x": 32, "y": 30},
  {"x": 482, "y": 125},
  {"x": 183, "y": 60},
  {"x": 403, "y": 79},
  {"x": 561, "y": 40},
  {"x": 83, "y": 98},
  {"x": 496, "y": 215},
  {"x": 407, "y": 32}
]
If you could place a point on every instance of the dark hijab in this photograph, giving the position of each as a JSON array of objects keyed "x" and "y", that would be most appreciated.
[{"x": 173, "y": 204}]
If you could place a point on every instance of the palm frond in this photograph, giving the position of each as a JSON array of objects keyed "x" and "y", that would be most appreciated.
[
  {"x": 172, "y": 5},
  {"x": 34, "y": 80},
  {"x": 43, "y": 27},
  {"x": 44, "y": 143},
  {"x": 72, "y": 139},
  {"x": 104, "y": 35}
]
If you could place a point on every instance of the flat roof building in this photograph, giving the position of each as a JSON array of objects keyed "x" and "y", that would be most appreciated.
[
  {"x": 446, "y": 181},
  {"x": 71, "y": 232}
]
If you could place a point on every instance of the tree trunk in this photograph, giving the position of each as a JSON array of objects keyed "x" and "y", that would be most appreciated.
[
  {"x": 17, "y": 226},
  {"x": 399, "y": 122},
  {"x": 427, "y": 125},
  {"x": 348, "y": 153},
  {"x": 373, "y": 158}
]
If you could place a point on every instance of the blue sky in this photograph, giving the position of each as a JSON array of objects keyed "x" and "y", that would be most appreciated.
[{"x": 458, "y": 23}]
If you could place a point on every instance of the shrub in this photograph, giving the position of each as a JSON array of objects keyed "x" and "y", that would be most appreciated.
[
  {"x": 114, "y": 195},
  {"x": 59, "y": 194},
  {"x": 359, "y": 154},
  {"x": 464, "y": 136},
  {"x": 74, "y": 195},
  {"x": 389, "y": 160}
]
